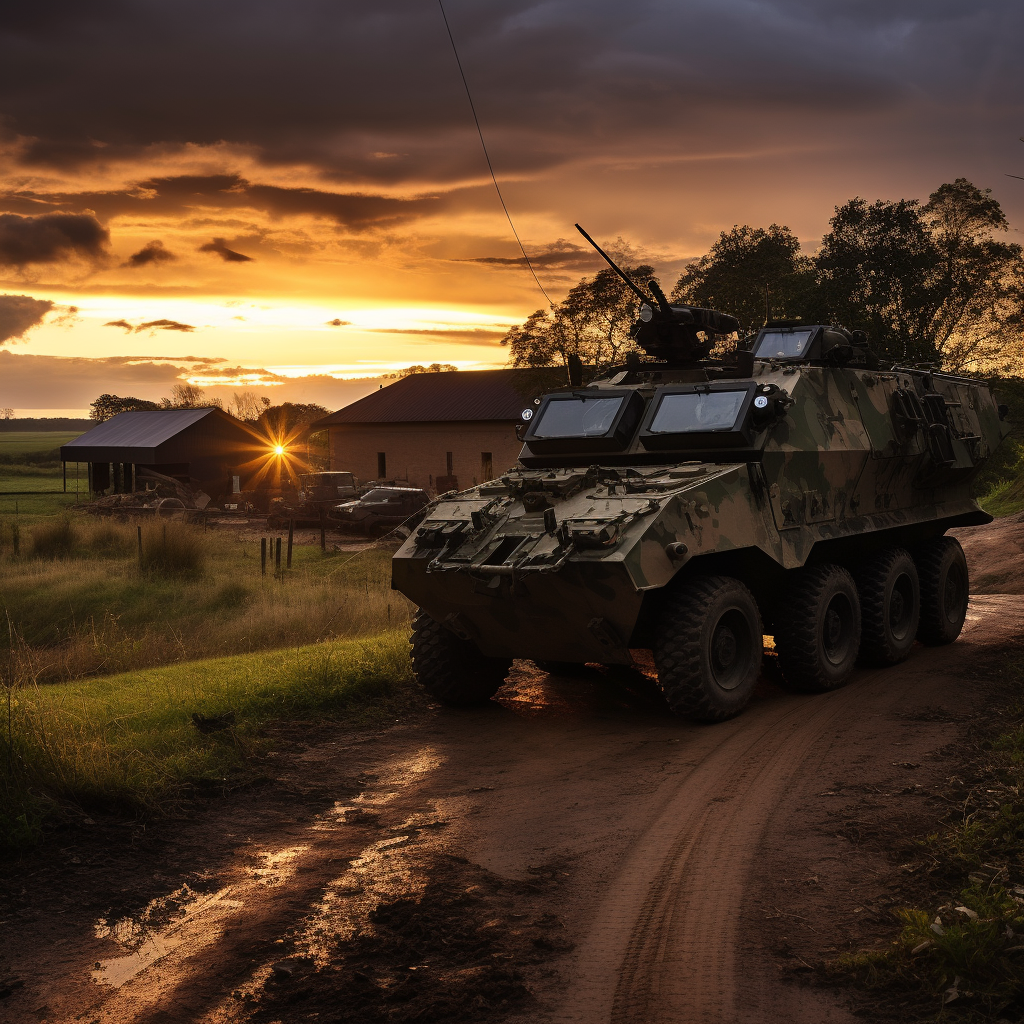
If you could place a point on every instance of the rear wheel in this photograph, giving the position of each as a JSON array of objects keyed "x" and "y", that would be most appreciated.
[
  {"x": 708, "y": 648},
  {"x": 945, "y": 590},
  {"x": 453, "y": 670},
  {"x": 890, "y": 603},
  {"x": 817, "y": 631}
]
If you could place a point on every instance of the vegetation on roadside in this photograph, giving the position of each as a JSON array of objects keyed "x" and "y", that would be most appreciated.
[
  {"x": 81, "y": 602},
  {"x": 961, "y": 957},
  {"x": 140, "y": 742}
]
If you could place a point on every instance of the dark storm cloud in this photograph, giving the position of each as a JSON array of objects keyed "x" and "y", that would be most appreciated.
[
  {"x": 220, "y": 247},
  {"x": 151, "y": 252},
  {"x": 19, "y": 314},
  {"x": 371, "y": 93},
  {"x": 558, "y": 255},
  {"x": 174, "y": 196},
  {"x": 50, "y": 238}
]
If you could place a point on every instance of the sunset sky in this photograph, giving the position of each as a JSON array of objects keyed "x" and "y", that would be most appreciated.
[{"x": 284, "y": 196}]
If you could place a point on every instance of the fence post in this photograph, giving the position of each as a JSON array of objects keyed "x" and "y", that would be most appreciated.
[
  {"x": 291, "y": 534},
  {"x": 277, "y": 556},
  {"x": 263, "y": 556}
]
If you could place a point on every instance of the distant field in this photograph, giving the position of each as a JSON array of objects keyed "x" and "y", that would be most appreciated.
[{"x": 31, "y": 442}]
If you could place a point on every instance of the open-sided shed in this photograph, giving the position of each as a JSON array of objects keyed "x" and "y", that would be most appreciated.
[{"x": 204, "y": 447}]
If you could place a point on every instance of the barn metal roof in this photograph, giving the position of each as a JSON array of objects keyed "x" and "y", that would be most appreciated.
[
  {"x": 138, "y": 429},
  {"x": 451, "y": 396},
  {"x": 161, "y": 435}
]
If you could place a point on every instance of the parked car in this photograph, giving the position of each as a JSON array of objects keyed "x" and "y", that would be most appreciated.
[{"x": 379, "y": 511}]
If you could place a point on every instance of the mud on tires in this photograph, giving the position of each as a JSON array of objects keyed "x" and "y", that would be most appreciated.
[
  {"x": 945, "y": 590},
  {"x": 452, "y": 670},
  {"x": 890, "y": 606},
  {"x": 708, "y": 648},
  {"x": 817, "y": 632}
]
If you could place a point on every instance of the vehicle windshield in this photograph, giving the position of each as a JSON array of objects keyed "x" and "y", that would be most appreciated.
[
  {"x": 784, "y": 344},
  {"x": 380, "y": 494},
  {"x": 578, "y": 417},
  {"x": 693, "y": 411}
]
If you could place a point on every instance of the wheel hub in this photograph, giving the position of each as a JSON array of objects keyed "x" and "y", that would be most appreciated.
[{"x": 725, "y": 647}]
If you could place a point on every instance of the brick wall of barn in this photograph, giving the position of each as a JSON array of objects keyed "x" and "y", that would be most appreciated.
[{"x": 418, "y": 452}]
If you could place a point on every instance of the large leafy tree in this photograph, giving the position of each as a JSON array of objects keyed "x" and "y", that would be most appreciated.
[
  {"x": 593, "y": 323},
  {"x": 929, "y": 283},
  {"x": 750, "y": 273},
  {"x": 107, "y": 406}
]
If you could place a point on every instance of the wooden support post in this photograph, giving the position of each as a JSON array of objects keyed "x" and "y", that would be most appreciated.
[
  {"x": 277, "y": 556},
  {"x": 263, "y": 556},
  {"x": 291, "y": 536}
]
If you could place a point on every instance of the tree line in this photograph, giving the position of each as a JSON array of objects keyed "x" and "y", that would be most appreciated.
[
  {"x": 929, "y": 283},
  {"x": 245, "y": 405}
]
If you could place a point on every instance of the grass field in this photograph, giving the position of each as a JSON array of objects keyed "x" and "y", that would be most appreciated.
[
  {"x": 128, "y": 743},
  {"x": 104, "y": 656},
  {"x": 33, "y": 442},
  {"x": 79, "y": 603}
]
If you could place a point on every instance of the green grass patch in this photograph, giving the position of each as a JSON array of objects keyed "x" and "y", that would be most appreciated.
[
  {"x": 962, "y": 957},
  {"x": 18, "y": 443},
  {"x": 129, "y": 743}
]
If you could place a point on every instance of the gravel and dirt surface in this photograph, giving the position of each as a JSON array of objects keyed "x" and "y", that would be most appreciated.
[{"x": 571, "y": 853}]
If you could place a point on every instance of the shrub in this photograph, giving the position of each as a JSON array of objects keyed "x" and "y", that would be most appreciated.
[
  {"x": 173, "y": 550},
  {"x": 56, "y": 539}
]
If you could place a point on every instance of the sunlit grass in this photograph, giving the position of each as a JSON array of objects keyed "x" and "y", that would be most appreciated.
[
  {"x": 80, "y": 602},
  {"x": 128, "y": 742}
]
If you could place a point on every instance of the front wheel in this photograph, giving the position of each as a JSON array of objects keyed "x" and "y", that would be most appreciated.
[
  {"x": 453, "y": 670},
  {"x": 945, "y": 590},
  {"x": 817, "y": 631},
  {"x": 708, "y": 648}
]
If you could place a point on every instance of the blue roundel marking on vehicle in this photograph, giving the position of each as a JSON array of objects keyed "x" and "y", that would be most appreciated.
[
  {"x": 527, "y": 414},
  {"x": 761, "y": 402}
]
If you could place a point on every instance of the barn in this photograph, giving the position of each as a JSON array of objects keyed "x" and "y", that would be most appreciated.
[
  {"x": 206, "y": 448},
  {"x": 437, "y": 431}
]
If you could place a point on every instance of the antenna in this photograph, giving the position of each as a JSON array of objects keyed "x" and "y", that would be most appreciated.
[{"x": 487, "y": 156}]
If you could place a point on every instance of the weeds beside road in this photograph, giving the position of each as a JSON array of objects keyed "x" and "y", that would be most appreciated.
[
  {"x": 960, "y": 955},
  {"x": 134, "y": 742}
]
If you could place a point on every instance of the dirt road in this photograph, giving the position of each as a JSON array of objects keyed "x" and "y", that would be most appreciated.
[{"x": 571, "y": 853}]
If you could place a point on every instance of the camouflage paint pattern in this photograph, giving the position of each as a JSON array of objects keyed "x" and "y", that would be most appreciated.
[{"x": 554, "y": 563}]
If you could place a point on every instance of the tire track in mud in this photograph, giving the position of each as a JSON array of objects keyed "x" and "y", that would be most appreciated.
[{"x": 663, "y": 944}]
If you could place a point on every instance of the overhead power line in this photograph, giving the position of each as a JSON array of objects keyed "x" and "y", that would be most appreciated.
[{"x": 487, "y": 156}]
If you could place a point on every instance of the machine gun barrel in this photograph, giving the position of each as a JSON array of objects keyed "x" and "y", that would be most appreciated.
[{"x": 611, "y": 263}]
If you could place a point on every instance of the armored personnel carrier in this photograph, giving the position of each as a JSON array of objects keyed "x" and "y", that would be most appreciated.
[{"x": 688, "y": 506}]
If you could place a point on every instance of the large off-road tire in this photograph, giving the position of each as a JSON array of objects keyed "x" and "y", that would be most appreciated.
[
  {"x": 890, "y": 607},
  {"x": 945, "y": 590},
  {"x": 453, "y": 670},
  {"x": 817, "y": 629},
  {"x": 708, "y": 647}
]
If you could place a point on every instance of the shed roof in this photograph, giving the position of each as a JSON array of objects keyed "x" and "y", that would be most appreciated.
[
  {"x": 139, "y": 436},
  {"x": 451, "y": 396},
  {"x": 139, "y": 429}
]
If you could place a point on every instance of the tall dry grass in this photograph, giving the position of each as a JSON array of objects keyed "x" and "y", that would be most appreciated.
[{"x": 84, "y": 605}]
